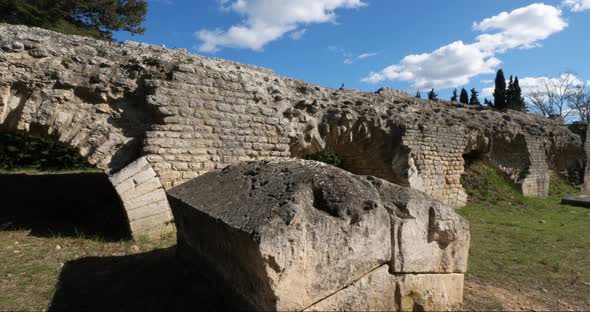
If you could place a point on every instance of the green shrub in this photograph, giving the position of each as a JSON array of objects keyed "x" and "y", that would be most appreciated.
[
  {"x": 327, "y": 156},
  {"x": 20, "y": 151}
]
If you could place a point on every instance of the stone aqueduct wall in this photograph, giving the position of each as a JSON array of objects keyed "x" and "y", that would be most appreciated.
[{"x": 153, "y": 118}]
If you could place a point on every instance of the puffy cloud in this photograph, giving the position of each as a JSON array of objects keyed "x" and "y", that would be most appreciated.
[
  {"x": 268, "y": 20},
  {"x": 451, "y": 65},
  {"x": 577, "y": 5},
  {"x": 523, "y": 27},
  {"x": 538, "y": 84},
  {"x": 457, "y": 63}
]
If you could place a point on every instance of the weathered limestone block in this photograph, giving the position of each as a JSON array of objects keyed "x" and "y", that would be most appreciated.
[
  {"x": 294, "y": 234},
  {"x": 373, "y": 292},
  {"x": 284, "y": 234},
  {"x": 429, "y": 292},
  {"x": 381, "y": 291},
  {"x": 427, "y": 236},
  {"x": 144, "y": 200}
]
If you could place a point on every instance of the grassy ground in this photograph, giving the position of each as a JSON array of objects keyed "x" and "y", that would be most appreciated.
[
  {"x": 530, "y": 250},
  {"x": 34, "y": 268}
]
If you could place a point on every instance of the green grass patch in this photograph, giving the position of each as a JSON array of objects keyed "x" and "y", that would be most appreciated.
[{"x": 531, "y": 243}]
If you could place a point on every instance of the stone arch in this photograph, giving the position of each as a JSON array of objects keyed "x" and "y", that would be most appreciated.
[
  {"x": 364, "y": 146},
  {"x": 106, "y": 132},
  {"x": 367, "y": 149}
]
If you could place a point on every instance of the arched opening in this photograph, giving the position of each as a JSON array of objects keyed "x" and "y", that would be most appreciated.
[
  {"x": 472, "y": 157},
  {"x": 50, "y": 190},
  {"x": 362, "y": 147}
]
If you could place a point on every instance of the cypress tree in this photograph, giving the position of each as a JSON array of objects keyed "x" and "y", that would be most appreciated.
[
  {"x": 517, "y": 99},
  {"x": 464, "y": 97},
  {"x": 455, "y": 96},
  {"x": 509, "y": 93},
  {"x": 500, "y": 91},
  {"x": 432, "y": 95},
  {"x": 474, "y": 99}
]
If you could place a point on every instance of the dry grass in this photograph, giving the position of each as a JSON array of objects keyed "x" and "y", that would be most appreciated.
[{"x": 31, "y": 266}]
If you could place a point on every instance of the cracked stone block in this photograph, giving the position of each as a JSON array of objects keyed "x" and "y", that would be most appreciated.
[
  {"x": 373, "y": 292},
  {"x": 429, "y": 292},
  {"x": 283, "y": 234},
  {"x": 295, "y": 234},
  {"x": 427, "y": 236},
  {"x": 144, "y": 200}
]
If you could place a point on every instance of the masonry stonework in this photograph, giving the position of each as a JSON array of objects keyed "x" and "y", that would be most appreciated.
[{"x": 189, "y": 114}]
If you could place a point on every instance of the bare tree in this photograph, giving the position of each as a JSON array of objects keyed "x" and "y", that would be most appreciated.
[
  {"x": 540, "y": 103},
  {"x": 580, "y": 103},
  {"x": 555, "y": 96}
]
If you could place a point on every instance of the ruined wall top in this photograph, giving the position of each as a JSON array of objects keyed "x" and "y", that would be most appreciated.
[{"x": 189, "y": 114}]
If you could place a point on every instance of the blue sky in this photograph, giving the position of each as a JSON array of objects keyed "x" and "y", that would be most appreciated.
[{"x": 366, "y": 44}]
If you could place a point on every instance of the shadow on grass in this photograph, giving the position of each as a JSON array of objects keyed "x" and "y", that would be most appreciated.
[
  {"x": 153, "y": 281},
  {"x": 78, "y": 204}
]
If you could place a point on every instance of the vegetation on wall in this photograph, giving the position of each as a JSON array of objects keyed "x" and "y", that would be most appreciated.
[
  {"x": 327, "y": 156},
  {"x": 19, "y": 151},
  {"x": 92, "y": 18}
]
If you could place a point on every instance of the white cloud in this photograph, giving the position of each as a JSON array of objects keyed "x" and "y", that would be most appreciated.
[
  {"x": 577, "y": 5},
  {"x": 489, "y": 91},
  {"x": 298, "y": 34},
  {"x": 538, "y": 84},
  {"x": 350, "y": 58},
  {"x": 268, "y": 20},
  {"x": 366, "y": 55},
  {"x": 457, "y": 63},
  {"x": 532, "y": 84},
  {"x": 523, "y": 27},
  {"x": 451, "y": 65}
]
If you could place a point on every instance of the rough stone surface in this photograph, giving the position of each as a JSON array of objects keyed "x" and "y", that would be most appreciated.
[
  {"x": 144, "y": 199},
  {"x": 373, "y": 292},
  {"x": 426, "y": 235},
  {"x": 189, "y": 114},
  {"x": 577, "y": 200},
  {"x": 430, "y": 292},
  {"x": 287, "y": 234}
]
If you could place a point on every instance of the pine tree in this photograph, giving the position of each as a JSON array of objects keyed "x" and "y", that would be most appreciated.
[
  {"x": 418, "y": 95},
  {"x": 517, "y": 101},
  {"x": 464, "y": 97},
  {"x": 500, "y": 91},
  {"x": 474, "y": 99},
  {"x": 432, "y": 95},
  {"x": 455, "y": 96},
  {"x": 488, "y": 102},
  {"x": 94, "y": 18}
]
